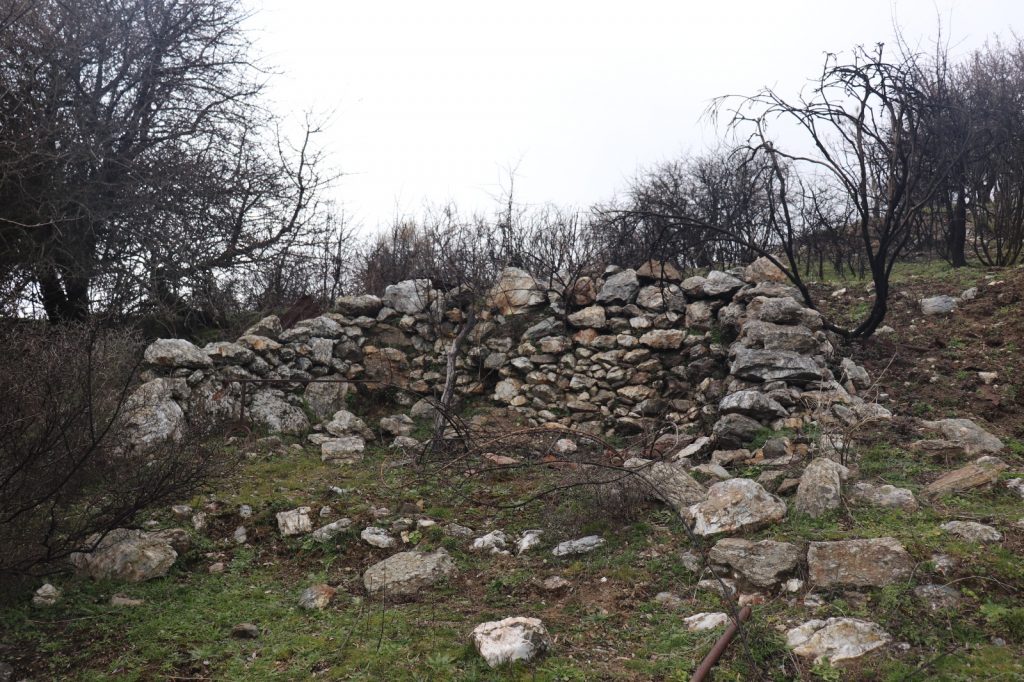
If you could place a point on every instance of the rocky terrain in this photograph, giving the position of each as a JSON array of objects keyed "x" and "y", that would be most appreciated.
[{"x": 701, "y": 444}]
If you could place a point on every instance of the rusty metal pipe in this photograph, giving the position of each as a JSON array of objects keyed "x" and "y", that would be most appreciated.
[{"x": 720, "y": 646}]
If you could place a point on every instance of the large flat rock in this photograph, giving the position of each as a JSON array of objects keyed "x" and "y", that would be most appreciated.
[
  {"x": 407, "y": 573},
  {"x": 858, "y": 563}
]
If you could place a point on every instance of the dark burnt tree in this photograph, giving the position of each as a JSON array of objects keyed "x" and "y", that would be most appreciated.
[{"x": 865, "y": 126}]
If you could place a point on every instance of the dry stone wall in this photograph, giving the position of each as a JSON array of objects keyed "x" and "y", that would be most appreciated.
[{"x": 724, "y": 355}]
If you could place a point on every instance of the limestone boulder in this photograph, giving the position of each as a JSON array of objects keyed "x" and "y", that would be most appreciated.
[
  {"x": 583, "y": 545},
  {"x": 515, "y": 291},
  {"x": 719, "y": 284},
  {"x": 128, "y": 555},
  {"x": 581, "y": 292},
  {"x": 152, "y": 415},
  {"x": 316, "y": 597},
  {"x": 767, "y": 365},
  {"x": 410, "y": 296},
  {"x": 762, "y": 564},
  {"x": 268, "y": 327},
  {"x": 324, "y": 398},
  {"x": 873, "y": 562},
  {"x": 972, "y": 531},
  {"x": 782, "y": 310},
  {"x": 511, "y": 639},
  {"x": 175, "y": 354},
  {"x": 407, "y": 573},
  {"x": 699, "y": 622},
  {"x": 735, "y": 430},
  {"x": 938, "y": 305},
  {"x": 619, "y": 289},
  {"x": 753, "y": 404},
  {"x": 344, "y": 423},
  {"x": 667, "y": 481},
  {"x": 700, "y": 315},
  {"x": 820, "y": 488},
  {"x": 228, "y": 353},
  {"x": 973, "y": 439},
  {"x": 342, "y": 450},
  {"x": 777, "y": 337},
  {"x": 663, "y": 339},
  {"x": 736, "y": 505},
  {"x": 883, "y": 496},
  {"x": 355, "y": 306},
  {"x": 763, "y": 270},
  {"x": 836, "y": 639},
  {"x": 294, "y": 522},
  {"x": 272, "y": 412},
  {"x": 591, "y": 316},
  {"x": 658, "y": 270},
  {"x": 982, "y": 471}
]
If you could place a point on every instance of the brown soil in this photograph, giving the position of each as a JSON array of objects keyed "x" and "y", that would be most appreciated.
[{"x": 929, "y": 367}]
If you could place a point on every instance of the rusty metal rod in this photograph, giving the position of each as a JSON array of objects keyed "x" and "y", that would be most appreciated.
[{"x": 720, "y": 646}]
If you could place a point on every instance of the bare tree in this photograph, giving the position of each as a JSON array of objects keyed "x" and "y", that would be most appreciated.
[
  {"x": 721, "y": 195},
  {"x": 67, "y": 469},
  {"x": 994, "y": 173},
  {"x": 866, "y": 124},
  {"x": 135, "y": 160}
]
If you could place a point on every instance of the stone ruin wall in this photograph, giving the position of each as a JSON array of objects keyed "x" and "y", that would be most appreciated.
[{"x": 720, "y": 355}]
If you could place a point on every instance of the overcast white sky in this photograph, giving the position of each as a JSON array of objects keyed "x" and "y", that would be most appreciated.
[{"x": 431, "y": 101}]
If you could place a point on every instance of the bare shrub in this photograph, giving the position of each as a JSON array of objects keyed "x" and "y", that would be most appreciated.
[{"x": 67, "y": 470}]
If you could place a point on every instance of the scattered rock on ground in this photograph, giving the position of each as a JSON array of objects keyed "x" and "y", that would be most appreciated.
[
  {"x": 129, "y": 555},
  {"x": 982, "y": 471},
  {"x": 760, "y": 563},
  {"x": 735, "y": 505},
  {"x": 528, "y": 540},
  {"x": 455, "y": 530},
  {"x": 705, "y": 621},
  {"x": 331, "y": 530},
  {"x": 964, "y": 432},
  {"x": 317, "y": 597},
  {"x": 580, "y": 546},
  {"x": 836, "y": 639},
  {"x": 938, "y": 305},
  {"x": 406, "y": 573},
  {"x": 555, "y": 582},
  {"x": 820, "y": 488},
  {"x": 858, "y": 563},
  {"x": 1016, "y": 485},
  {"x": 245, "y": 631},
  {"x": 493, "y": 542},
  {"x": 668, "y": 600},
  {"x": 47, "y": 595},
  {"x": 938, "y": 597},
  {"x": 378, "y": 537},
  {"x": 294, "y": 522},
  {"x": 971, "y": 531},
  {"x": 511, "y": 639},
  {"x": 883, "y": 496}
]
